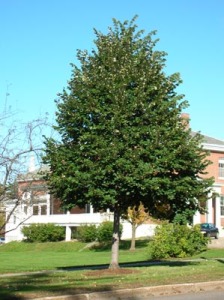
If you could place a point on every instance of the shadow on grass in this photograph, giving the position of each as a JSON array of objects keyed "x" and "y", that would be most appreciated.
[
  {"x": 32, "y": 286},
  {"x": 8, "y": 295},
  {"x": 16, "y": 287},
  {"x": 123, "y": 245},
  {"x": 138, "y": 264},
  {"x": 220, "y": 260}
]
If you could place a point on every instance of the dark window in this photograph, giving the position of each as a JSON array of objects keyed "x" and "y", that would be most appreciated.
[
  {"x": 221, "y": 168},
  {"x": 222, "y": 205},
  {"x": 43, "y": 209},
  {"x": 35, "y": 210},
  {"x": 25, "y": 209}
]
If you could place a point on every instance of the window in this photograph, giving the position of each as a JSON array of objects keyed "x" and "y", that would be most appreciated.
[
  {"x": 222, "y": 205},
  {"x": 25, "y": 209},
  {"x": 87, "y": 209},
  {"x": 43, "y": 209},
  {"x": 221, "y": 167},
  {"x": 35, "y": 210}
]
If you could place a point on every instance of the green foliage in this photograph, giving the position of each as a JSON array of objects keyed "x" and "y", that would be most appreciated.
[
  {"x": 122, "y": 138},
  {"x": 184, "y": 217},
  {"x": 173, "y": 240},
  {"x": 43, "y": 233},
  {"x": 105, "y": 232},
  {"x": 87, "y": 233}
]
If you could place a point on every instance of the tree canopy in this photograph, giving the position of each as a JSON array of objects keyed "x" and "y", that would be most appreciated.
[{"x": 123, "y": 140}]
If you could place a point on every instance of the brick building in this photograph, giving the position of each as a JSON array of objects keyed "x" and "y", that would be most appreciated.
[{"x": 215, "y": 206}]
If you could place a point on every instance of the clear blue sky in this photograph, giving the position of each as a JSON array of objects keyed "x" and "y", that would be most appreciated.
[{"x": 39, "y": 39}]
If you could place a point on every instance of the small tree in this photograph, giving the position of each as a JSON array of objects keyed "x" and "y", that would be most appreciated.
[
  {"x": 136, "y": 216},
  {"x": 122, "y": 136}
]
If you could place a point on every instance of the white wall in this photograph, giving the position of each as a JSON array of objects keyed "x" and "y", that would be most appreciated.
[{"x": 19, "y": 219}]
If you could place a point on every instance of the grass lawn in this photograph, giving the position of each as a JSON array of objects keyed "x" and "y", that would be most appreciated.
[
  {"x": 62, "y": 257},
  {"x": 21, "y": 257}
]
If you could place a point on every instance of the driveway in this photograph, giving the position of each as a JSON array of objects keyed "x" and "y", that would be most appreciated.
[{"x": 216, "y": 243}]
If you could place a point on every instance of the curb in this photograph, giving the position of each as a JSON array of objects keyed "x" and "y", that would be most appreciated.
[{"x": 144, "y": 292}]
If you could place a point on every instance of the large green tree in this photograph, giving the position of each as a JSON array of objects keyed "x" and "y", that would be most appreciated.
[{"x": 122, "y": 137}]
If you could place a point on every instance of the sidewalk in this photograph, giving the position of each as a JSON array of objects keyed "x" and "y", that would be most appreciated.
[
  {"x": 145, "y": 292},
  {"x": 219, "y": 243}
]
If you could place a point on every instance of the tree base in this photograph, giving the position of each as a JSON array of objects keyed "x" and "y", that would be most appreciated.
[
  {"x": 114, "y": 266},
  {"x": 132, "y": 249}
]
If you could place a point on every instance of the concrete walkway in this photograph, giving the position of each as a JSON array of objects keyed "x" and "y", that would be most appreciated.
[
  {"x": 219, "y": 243},
  {"x": 145, "y": 292}
]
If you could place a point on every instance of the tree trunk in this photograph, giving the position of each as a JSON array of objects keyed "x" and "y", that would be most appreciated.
[
  {"x": 132, "y": 248},
  {"x": 115, "y": 241}
]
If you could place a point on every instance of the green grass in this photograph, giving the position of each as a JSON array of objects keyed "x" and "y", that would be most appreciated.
[
  {"x": 211, "y": 253},
  {"x": 63, "y": 257},
  {"x": 21, "y": 257}
]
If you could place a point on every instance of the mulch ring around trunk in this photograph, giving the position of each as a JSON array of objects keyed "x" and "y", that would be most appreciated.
[{"x": 114, "y": 272}]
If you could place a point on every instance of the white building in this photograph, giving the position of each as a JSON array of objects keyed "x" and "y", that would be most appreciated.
[{"x": 35, "y": 205}]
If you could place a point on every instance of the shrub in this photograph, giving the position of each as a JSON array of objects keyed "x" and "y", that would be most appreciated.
[
  {"x": 86, "y": 233},
  {"x": 173, "y": 240},
  {"x": 105, "y": 231},
  {"x": 43, "y": 233}
]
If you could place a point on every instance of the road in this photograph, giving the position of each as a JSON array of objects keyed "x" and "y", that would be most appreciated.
[{"x": 214, "y": 295}]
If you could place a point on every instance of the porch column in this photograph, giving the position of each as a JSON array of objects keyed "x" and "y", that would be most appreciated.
[
  {"x": 91, "y": 209},
  {"x": 197, "y": 218},
  {"x": 68, "y": 233},
  {"x": 217, "y": 212},
  {"x": 210, "y": 211},
  {"x": 48, "y": 205}
]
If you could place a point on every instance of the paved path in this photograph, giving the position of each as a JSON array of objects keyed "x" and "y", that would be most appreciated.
[
  {"x": 217, "y": 243},
  {"x": 149, "y": 292},
  {"x": 212, "y": 295}
]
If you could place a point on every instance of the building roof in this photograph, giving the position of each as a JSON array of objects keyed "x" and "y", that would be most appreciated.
[
  {"x": 211, "y": 140},
  {"x": 211, "y": 143},
  {"x": 37, "y": 174}
]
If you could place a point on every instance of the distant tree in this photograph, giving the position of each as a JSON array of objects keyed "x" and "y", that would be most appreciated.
[
  {"x": 2, "y": 219},
  {"x": 136, "y": 216},
  {"x": 18, "y": 141},
  {"x": 122, "y": 136}
]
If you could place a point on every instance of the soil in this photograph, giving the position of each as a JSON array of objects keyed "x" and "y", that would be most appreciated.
[{"x": 114, "y": 272}]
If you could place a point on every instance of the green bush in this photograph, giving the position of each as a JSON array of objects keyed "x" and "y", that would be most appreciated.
[
  {"x": 86, "y": 233},
  {"x": 105, "y": 231},
  {"x": 43, "y": 233},
  {"x": 173, "y": 240}
]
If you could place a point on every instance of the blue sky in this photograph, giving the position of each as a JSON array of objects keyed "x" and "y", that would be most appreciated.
[{"x": 39, "y": 39}]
